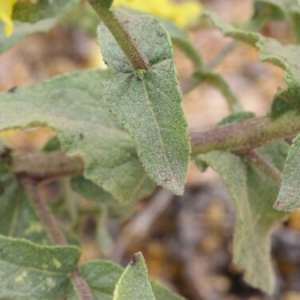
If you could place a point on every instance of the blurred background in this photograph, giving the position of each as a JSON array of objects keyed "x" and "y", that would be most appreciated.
[{"x": 186, "y": 241}]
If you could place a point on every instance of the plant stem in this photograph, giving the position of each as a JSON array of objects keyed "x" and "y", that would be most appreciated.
[
  {"x": 190, "y": 51},
  {"x": 246, "y": 135},
  {"x": 136, "y": 58},
  {"x": 193, "y": 80},
  {"x": 44, "y": 166},
  {"x": 70, "y": 200},
  {"x": 55, "y": 235},
  {"x": 218, "y": 58},
  {"x": 264, "y": 166},
  {"x": 81, "y": 287},
  {"x": 49, "y": 224}
]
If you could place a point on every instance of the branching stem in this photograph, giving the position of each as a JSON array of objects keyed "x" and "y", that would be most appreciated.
[
  {"x": 268, "y": 169},
  {"x": 246, "y": 135}
]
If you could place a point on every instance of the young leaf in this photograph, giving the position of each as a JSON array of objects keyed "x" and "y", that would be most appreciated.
[
  {"x": 90, "y": 191},
  {"x": 134, "y": 283},
  {"x": 274, "y": 9},
  {"x": 43, "y": 9},
  {"x": 162, "y": 293},
  {"x": 102, "y": 277},
  {"x": 17, "y": 217},
  {"x": 21, "y": 30},
  {"x": 285, "y": 57},
  {"x": 30, "y": 271},
  {"x": 72, "y": 104},
  {"x": 148, "y": 102},
  {"x": 289, "y": 196},
  {"x": 253, "y": 194}
]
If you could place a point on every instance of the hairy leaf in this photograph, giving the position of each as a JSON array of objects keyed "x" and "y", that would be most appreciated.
[
  {"x": 253, "y": 195},
  {"x": 104, "y": 200},
  {"x": 148, "y": 102},
  {"x": 21, "y": 30},
  {"x": 285, "y": 57},
  {"x": 43, "y": 9},
  {"x": 73, "y": 106},
  {"x": 275, "y": 9},
  {"x": 134, "y": 283},
  {"x": 107, "y": 3},
  {"x": 102, "y": 277},
  {"x": 30, "y": 271},
  {"x": 289, "y": 195},
  {"x": 17, "y": 217},
  {"x": 162, "y": 293},
  {"x": 236, "y": 118}
]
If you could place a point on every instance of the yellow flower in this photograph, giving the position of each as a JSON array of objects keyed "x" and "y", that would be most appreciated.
[
  {"x": 6, "y": 8},
  {"x": 181, "y": 14}
]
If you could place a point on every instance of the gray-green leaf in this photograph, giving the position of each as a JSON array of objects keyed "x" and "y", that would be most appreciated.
[
  {"x": 134, "y": 283},
  {"x": 30, "y": 271},
  {"x": 289, "y": 195},
  {"x": 102, "y": 277},
  {"x": 283, "y": 56},
  {"x": 72, "y": 104},
  {"x": 148, "y": 102},
  {"x": 253, "y": 195},
  {"x": 274, "y": 9},
  {"x": 17, "y": 217},
  {"x": 43, "y": 9}
]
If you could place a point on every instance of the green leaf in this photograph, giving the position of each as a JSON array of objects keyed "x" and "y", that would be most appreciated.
[
  {"x": 285, "y": 57},
  {"x": 253, "y": 195},
  {"x": 17, "y": 216},
  {"x": 104, "y": 200},
  {"x": 21, "y": 30},
  {"x": 279, "y": 106},
  {"x": 162, "y": 293},
  {"x": 289, "y": 197},
  {"x": 148, "y": 102},
  {"x": 181, "y": 39},
  {"x": 107, "y": 3},
  {"x": 30, "y": 271},
  {"x": 294, "y": 10},
  {"x": 43, "y": 9},
  {"x": 72, "y": 104},
  {"x": 221, "y": 84},
  {"x": 134, "y": 283},
  {"x": 102, "y": 277},
  {"x": 272, "y": 9},
  {"x": 236, "y": 118}
]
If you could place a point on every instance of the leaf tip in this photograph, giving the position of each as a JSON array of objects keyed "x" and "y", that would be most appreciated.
[
  {"x": 135, "y": 259},
  {"x": 278, "y": 206}
]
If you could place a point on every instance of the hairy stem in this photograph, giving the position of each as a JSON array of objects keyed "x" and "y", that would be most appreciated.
[
  {"x": 49, "y": 224},
  {"x": 268, "y": 169},
  {"x": 136, "y": 58},
  {"x": 246, "y": 135},
  {"x": 81, "y": 287},
  {"x": 55, "y": 235},
  {"x": 44, "y": 166}
]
